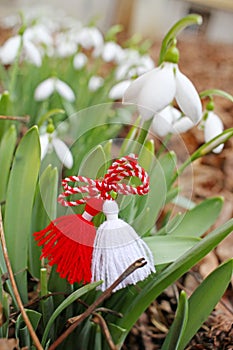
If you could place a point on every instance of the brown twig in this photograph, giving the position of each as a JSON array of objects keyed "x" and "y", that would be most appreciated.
[
  {"x": 75, "y": 321},
  {"x": 24, "y": 119},
  {"x": 98, "y": 319},
  {"x": 15, "y": 289}
]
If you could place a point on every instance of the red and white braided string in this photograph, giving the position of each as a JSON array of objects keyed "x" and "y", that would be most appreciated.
[{"x": 120, "y": 169}]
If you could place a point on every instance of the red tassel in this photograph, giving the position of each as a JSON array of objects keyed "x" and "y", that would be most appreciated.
[{"x": 68, "y": 242}]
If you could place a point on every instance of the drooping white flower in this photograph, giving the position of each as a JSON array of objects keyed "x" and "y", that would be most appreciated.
[
  {"x": 170, "y": 120},
  {"x": 213, "y": 126},
  {"x": 118, "y": 90},
  {"x": 90, "y": 38},
  {"x": 50, "y": 142},
  {"x": 47, "y": 87},
  {"x": 79, "y": 61},
  {"x": 95, "y": 83},
  {"x": 65, "y": 46},
  {"x": 112, "y": 52},
  {"x": 156, "y": 89},
  {"x": 9, "y": 51},
  {"x": 133, "y": 64},
  {"x": 39, "y": 34}
]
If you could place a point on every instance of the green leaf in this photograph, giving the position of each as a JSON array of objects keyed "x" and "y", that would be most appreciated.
[
  {"x": 44, "y": 211},
  {"x": 149, "y": 206},
  {"x": 178, "y": 327},
  {"x": 4, "y": 110},
  {"x": 5, "y": 301},
  {"x": 204, "y": 298},
  {"x": 93, "y": 163},
  {"x": 202, "y": 217},
  {"x": 166, "y": 249},
  {"x": 7, "y": 148},
  {"x": 68, "y": 301},
  {"x": 135, "y": 303},
  {"x": 21, "y": 331},
  {"x": 19, "y": 201}
]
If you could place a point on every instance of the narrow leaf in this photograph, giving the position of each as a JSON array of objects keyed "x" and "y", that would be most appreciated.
[
  {"x": 19, "y": 201},
  {"x": 69, "y": 300},
  {"x": 202, "y": 217},
  {"x": 178, "y": 327},
  {"x": 7, "y": 148},
  {"x": 204, "y": 298},
  {"x": 167, "y": 249}
]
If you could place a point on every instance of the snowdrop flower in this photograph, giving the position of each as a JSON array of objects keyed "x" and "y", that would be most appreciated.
[
  {"x": 95, "y": 83},
  {"x": 50, "y": 142},
  {"x": 9, "y": 51},
  {"x": 118, "y": 90},
  {"x": 39, "y": 35},
  {"x": 156, "y": 89},
  {"x": 80, "y": 60},
  {"x": 47, "y": 87},
  {"x": 112, "y": 52},
  {"x": 64, "y": 45},
  {"x": 170, "y": 120},
  {"x": 213, "y": 126},
  {"x": 91, "y": 37},
  {"x": 133, "y": 64}
]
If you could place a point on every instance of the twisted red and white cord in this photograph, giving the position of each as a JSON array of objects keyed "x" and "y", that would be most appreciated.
[{"x": 120, "y": 169}]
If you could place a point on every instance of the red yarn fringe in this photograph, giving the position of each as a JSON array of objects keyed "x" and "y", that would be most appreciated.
[{"x": 68, "y": 243}]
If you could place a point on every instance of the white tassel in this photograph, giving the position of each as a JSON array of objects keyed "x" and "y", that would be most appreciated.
[{"x": 117, "y": 246}]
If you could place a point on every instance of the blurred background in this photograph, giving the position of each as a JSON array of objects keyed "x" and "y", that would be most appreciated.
[{"x": 149, "y": 17}]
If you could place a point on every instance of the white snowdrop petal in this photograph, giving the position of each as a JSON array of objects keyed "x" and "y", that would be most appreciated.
[
  {"x": 64, "y": 90},
  {"x": 182, "y": 125},
  {"x": 187, "y": 97},
  {"x": 152, "y": 91},
  {"x": 111, "y": 51},
  {"x": 213, "y": 126},
  {"x": 161, "y": 126},
  {"x": 79, "y": 61},
  {"x": 9, "y": 50},
  {"x": 170, "y": 113},
  {"x": 44, "y": 145},
  {"x": 95, "y": 83},
  {"x": 44, "y": 89},
  {"x": 63, "y": 152},
  {"x": 32, "y": 53},
  {"x": 118, "y": 90}
]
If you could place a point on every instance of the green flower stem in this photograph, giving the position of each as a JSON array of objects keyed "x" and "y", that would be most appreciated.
[
  {"x": 177, "y": 27},
  {"x": 204, "y": 149},
  {"x": 144, "y": 131},
  {"x": 15, "y": 70},
  {"x": 43, "y": 282},
  {"x": 216, "y": 92},
  {"x": 164, "y": 144}
]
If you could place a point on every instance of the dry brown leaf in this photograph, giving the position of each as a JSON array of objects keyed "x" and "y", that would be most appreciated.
[
  {"x": 208, "y": 264},
  {"x": 9, "y": 344}
]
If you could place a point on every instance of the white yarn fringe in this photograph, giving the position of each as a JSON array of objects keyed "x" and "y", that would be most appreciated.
[{"x": 117, "y": 246}]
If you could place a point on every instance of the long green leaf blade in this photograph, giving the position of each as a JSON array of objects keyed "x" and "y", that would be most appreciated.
[
  {"x": 167, "y": 249},
  {"x": 204, "y": 298},
  {"x": 44, "y": 211},
  {"x": 7, "y": 148},
  {"x": 202, "y": 217},
  {"x": 178, "y": 327},
  {"x": 19, "y": 201},
  {"x": 69, "y": 300}
]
